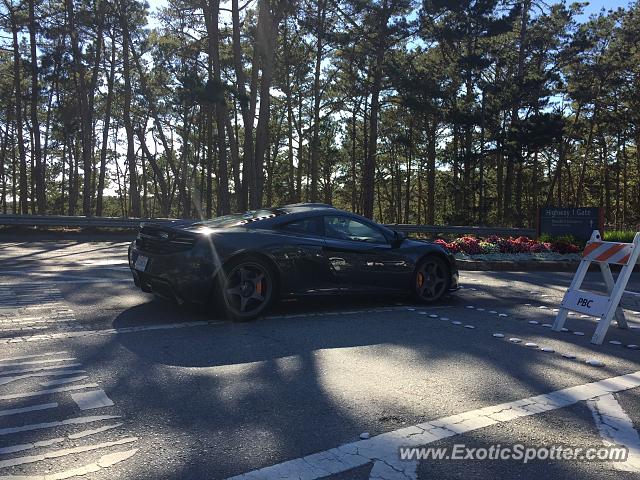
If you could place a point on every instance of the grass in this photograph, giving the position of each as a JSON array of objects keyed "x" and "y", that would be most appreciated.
[{"x": 625, "y": 236}]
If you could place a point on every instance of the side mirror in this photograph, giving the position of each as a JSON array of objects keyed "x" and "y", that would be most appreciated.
[{"x": 398, "y": 238}]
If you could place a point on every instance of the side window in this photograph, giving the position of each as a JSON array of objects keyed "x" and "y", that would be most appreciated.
[
  {"x": 305, "y": 226},
  {"x": 345, "y": 228}
]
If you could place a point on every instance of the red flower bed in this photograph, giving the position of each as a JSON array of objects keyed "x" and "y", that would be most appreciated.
[{"x": 492, "y": 244}]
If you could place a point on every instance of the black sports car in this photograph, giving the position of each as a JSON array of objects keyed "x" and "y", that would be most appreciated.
[{"x": 248, "y": 260}]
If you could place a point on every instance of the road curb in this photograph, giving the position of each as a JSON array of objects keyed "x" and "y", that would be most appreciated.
[{"x": 527, "y": 266}]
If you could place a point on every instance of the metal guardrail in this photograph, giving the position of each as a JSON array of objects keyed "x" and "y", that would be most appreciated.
[
  {"x": 133, "y": 223},
  {"x": 76, "y": 222},
  {"x": 462, "y": 230}
]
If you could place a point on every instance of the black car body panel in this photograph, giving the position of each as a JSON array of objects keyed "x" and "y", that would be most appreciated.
[{"x": 184, "y": 257}]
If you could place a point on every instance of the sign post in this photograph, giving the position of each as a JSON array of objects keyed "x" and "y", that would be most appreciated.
[{"x": 606, "y": 307}]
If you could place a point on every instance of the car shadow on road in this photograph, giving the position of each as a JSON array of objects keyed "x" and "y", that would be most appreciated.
[{"x": 240, "y": 396}]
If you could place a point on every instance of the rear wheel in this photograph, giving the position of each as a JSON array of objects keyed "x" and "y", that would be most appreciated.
[
  {"x": 432, "y": 279},
  {"x": 247, "y": 288}
]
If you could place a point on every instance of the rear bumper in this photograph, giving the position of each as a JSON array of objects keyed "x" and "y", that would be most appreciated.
[{"x": 181, "y": 277}]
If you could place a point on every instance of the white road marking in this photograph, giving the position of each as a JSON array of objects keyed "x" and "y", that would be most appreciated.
[
  {"x": 30, "y": 446},
  {"x": 9, "y": 379},
  {"x": 40, "y": 369},
  {"x": 168, "y": 326},
  {"x": 92, "y": 399},
  {"x": 616, "y": 428},
  {"x": 68, "y": 421},
  {"x": 63, "y": 381},
  {"x": 48, "y": 304},
  {"x": 17, "y": 322},
  {"x": 26, "y": 357},
  {"x": 384, "y": 448},
  {"x": 86, "y": 433},
  {"x": 47, "y": 392},
  {"x": 104, "y": 461},
  {"x": 62, "y": 453},
  {"x": 33, "y": 408},
  {"x": 36, "y": 362}
]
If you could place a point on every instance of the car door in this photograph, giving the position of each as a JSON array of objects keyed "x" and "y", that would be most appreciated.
[
  {"x": 302, "y": 258},
  {"x": 361, "y": 256}
]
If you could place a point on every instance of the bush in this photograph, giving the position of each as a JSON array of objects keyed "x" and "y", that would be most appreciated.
[
  {"x": 469, "y": 245},
  {"x": 452, "y": 247},
  {"x": 489, "y": 247},
  {"x": 625, "y": 236},
  {"x": 494, "y": 244}
]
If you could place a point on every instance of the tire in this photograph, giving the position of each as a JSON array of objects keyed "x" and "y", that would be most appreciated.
[
  {"x": 431, "y": 280},
  {"x": 247, "y": 288}
]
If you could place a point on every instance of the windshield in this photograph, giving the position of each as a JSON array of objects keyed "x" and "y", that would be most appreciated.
[{"x": 228, "y": 221}]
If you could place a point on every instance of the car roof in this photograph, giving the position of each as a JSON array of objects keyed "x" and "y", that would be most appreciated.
[{"x": 306, "y": 207}]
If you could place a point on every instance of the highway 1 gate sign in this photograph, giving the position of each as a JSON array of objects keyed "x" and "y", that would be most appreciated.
[{"x": 578, "y": 222}]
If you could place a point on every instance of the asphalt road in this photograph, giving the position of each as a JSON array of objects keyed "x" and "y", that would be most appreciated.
[{"x": 101, "y": 381}]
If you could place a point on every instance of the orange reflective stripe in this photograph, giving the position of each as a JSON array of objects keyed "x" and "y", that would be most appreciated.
[
  {"x": 624, "y": 259},
  {"x": 610, "y": 253},
  {"x": 590, "y": 248}
]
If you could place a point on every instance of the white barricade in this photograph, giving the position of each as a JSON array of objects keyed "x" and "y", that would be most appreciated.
[{"x": 608, "y": 306}]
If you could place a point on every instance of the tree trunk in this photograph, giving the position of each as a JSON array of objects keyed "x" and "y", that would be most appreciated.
[
  {"x": 211, "y": 13},
  {"x": 315, "y": 141},
  {"x": 39, "y": 173},
  {"x": 247, "y": 113},
  {"x": 23, "y": 189},
  {"x": 368, "y": 177},
  {"x": 431, "y": 173},
  {"x": 134, "y": 195},
  {"x": 85, "y": 113},
  {"x": 105, "y": 131}
]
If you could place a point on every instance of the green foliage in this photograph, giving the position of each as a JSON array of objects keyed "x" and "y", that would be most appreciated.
[
  {"x": 625, "y": 236},
  {"x": 487, "y": 108}
]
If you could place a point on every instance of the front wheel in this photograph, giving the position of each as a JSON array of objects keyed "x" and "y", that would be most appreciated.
[
  {"x": 247, "y": 288},
  {"x": 432, "y": 279}
]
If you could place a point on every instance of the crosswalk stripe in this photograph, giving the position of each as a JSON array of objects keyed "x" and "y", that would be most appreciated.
[
  {"x": 616, "y": 427},
  {"x": 103, "y": 462},
  {"x": 30, "y": 446},
  {"x": 40, "y": 368},
  {"x": 26, "y": 357},
  {"x": 39, "y": 393},
  {"x": 12, "y": 462},
  {"x": 86, "y": 433},
  {"x": 37, "y": 362},
  {"x": 63, "y": 381},
  {"x": 59, "y": 423},
  {"x": 9, "y": 379},
  {"x": 33, "y": 408}
]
